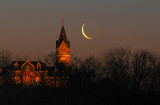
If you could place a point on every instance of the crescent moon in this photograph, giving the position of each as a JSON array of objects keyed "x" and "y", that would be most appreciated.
[{"x": 84, "y": 33}]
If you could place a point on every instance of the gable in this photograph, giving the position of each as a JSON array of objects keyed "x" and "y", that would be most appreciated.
[
  {"x": 63, "y": 44},
  {"x": 27, "y": 66},
  {"x": 18, "y": 65},
  {"x": 63, "y": 48}
]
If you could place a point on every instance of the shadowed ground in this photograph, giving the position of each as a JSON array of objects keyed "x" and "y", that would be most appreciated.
[{"x": 103, "y": 93}]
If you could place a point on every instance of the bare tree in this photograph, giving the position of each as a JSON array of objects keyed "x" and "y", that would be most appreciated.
[
  {"x": 117, "y": 64},
  {"x": 156, "y": 78},
  {"x": 5, "y": 61},
  {"x": 85, "y": 72},
  {"x": 5, "y": 58},
  {"x": 50, "y": 59},
  {"x": 75, "y": 62},
  {"x": 22, "y": 58},
  {"x": 92, "y": 69},
  {"x": 144, "y": 65}
]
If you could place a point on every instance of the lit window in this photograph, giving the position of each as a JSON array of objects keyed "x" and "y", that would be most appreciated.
[{"x": 62, "y": 59}]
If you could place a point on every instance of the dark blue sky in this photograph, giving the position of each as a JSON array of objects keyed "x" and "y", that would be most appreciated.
[{"x": 31, "y": 27}]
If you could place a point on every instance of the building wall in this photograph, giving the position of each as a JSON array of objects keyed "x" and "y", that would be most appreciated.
[
  {"x": 63, "y": 54},
  {"x": 27, "y": 75}
]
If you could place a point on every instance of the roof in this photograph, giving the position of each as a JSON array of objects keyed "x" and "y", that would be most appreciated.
[
  {"x": 62, "y": 37},
  {"x": 20, "y": 63}
]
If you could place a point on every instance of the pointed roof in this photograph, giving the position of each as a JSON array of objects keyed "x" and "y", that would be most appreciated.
[
  {"x": 20, "y": 63},
  {"x": 62, "y": 36}
]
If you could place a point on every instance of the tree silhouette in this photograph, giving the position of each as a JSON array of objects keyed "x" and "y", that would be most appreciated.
[
  {"x": 144, "y": 65},
  {"x": 5, "y": 61},
  {"x": 22, "y": 58},
  {"x": 5, "y": 58},
  {"x": 117, "y": 65},
  {"x": 50, "y": 59},
  {"x": 86, "y": 72}
]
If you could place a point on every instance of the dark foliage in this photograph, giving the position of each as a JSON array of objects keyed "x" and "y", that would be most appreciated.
[{"x": 119, "y": 78}]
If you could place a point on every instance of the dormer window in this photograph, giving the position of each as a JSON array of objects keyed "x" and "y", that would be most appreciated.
[
  {"x": 38, "y": 66},
  {"x": 16, "y": 66}
]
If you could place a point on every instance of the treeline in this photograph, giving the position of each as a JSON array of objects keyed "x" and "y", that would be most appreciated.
[
  {"x": 135, "y": 70},
  {"x": 117, "y": 76},
  {"x": 138, "y": 71}
]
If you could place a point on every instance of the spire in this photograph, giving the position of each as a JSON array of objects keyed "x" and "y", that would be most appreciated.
[
  {"x": 62, "y": 22},
  {"x": 62, "y": 36}
]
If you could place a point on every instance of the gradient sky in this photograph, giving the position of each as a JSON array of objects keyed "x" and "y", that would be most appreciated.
[{"x": 31, "y": 27}]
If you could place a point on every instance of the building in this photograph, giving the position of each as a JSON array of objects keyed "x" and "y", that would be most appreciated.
[
  {"x": 28, "y": 72},
  {"x": 63, "y": 48},
  {"x": 35, "y": 73}
]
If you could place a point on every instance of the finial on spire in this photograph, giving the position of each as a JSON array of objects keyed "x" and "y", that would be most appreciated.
[{"x": 62, "y": 22}]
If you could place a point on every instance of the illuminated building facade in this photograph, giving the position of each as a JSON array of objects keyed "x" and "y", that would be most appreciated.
[
  {"x": 35, "y": 73},
  {"x": 62, "y": 48},
  {"x": 28, "y": 72}
]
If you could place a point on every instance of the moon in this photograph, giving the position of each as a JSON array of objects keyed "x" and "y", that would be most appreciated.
[{"x": 84, "y": 33}]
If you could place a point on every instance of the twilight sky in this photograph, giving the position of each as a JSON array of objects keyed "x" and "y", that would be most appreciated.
[{"x": 31, "y": 27}]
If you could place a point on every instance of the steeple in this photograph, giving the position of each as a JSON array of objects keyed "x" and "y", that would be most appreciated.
[
  {"x": 62, "y": 37},
  {"x": 62, "y": 22},
  {"x": 62, "y": 49}
]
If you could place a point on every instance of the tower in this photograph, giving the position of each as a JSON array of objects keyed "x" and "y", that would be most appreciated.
[{"x": 62, "y": 48}]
